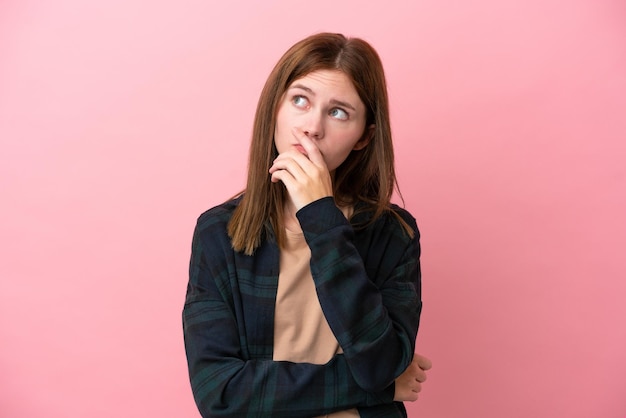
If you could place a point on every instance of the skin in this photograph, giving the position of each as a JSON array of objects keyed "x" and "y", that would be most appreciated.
[
  {"x": 409, "y": 383},
  {"x": 320, "y": 121}
]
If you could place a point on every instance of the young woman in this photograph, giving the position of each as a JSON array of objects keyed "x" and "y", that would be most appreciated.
[{"x": 304, "y": 294}]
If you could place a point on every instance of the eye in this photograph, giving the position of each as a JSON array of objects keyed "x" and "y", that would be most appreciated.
[
  {"x": 300, "y": 101},
  {"x": 338, "y": 113}
]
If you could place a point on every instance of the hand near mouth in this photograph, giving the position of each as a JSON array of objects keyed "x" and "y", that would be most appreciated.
[
  {"x": 303, "y": 171},
  {"x": 301, "y": 149}
]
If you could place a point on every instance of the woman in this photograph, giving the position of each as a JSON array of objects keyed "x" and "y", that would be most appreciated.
[{"x": 304, "y": 293}]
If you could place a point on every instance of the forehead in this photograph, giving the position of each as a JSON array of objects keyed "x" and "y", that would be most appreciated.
[{"x": 327, "y": 81}]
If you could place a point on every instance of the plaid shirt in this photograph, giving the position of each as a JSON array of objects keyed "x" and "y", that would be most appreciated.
[{"x": 368, "y": 283}]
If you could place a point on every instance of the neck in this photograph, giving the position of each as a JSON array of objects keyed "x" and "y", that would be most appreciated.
[{"x": 289, "y": 216}]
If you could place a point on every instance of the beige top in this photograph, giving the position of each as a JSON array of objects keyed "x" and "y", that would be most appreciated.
[{"x": 301, "y": 332}]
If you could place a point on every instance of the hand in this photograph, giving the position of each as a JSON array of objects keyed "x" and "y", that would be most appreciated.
[
  {"x": 305, "y": 176},
  {"x": 409, "y": 383}
]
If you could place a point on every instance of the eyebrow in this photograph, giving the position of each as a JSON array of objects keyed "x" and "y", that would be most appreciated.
[{"x": 333, "y": 101}]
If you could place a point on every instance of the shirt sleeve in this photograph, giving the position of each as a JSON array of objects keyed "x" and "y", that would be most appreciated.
[
  {"x": 371, "y": 295},
  {"x": 224, "y": 381}
]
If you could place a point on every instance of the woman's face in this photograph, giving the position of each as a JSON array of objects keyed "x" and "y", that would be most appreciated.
[{"x": 324, "y": 106}]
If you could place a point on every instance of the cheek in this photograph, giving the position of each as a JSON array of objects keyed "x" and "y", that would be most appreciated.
[
  {"x": 283, "y": 113},
  {"x": 280, "y": 125},
  {"x": 335, "y": 156},
  {"x": 283, "y": 124}
]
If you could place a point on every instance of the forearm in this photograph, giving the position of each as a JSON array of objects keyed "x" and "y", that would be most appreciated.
[
  {"x": 227, "y": 386},
  {"x": 372, "y": 309}
]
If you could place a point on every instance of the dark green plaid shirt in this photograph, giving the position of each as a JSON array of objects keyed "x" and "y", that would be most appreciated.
[{"x": 368, "y": 285}]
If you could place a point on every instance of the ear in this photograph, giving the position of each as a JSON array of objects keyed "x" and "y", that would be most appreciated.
[{"x": 366, "y": 138}]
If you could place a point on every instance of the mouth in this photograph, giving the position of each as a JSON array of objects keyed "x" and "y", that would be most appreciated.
[{"x": 300, "y": 149}]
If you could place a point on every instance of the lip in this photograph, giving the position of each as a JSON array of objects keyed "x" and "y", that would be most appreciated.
[{"x": 300, "y": 149}]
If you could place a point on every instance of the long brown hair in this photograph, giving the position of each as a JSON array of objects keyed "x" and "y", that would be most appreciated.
[{"x": 367, "y": 175}]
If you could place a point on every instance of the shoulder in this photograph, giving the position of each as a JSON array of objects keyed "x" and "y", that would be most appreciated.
[
  {"x": 217, "y": 215},
  {"x": 396, "y": 212},
  {"x": 394, "y": 221},
  {"x": 388, "y": 241},
  {"x": 211, "y": 231},
  {"x": 210, "y": 236}
]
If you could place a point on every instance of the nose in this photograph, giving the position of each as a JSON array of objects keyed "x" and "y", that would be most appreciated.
[{"x": 313, "y": 126}]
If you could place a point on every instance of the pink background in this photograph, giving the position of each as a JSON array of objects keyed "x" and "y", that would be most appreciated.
[{"x": 122, "y": 120}]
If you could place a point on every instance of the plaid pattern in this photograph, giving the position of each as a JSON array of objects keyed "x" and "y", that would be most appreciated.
[{"x": 369, "y": 286}]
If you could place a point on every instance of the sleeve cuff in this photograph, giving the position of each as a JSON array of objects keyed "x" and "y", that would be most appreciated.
[
  {"x": 320, "y": 216},
  {"x": 384, "y": 397}
]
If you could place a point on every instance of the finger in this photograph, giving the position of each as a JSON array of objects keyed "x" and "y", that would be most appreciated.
[
  {"x": 421, "y": 376},
  {"x": 301, "y": 159},
  {"x": 313, "y": 152},
  {"x": 423, "y": 362},
  {"x": 291, "y": 163},
  {"x": 285, "y": 177}
]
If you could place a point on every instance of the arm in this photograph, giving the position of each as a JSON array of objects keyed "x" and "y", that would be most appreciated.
[
  {"x": 225, "y": 381},
  {"x": 372, "y": 302}
]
